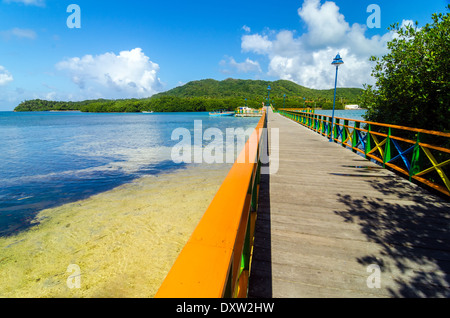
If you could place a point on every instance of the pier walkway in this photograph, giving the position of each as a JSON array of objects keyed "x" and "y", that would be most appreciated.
[{"x": 332, "y": 224}]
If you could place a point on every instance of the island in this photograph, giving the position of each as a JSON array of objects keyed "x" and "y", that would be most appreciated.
[{"x": 208, "y": 95}]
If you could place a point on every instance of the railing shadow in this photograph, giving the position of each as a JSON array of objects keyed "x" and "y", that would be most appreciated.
[
  {"x": 413, "y": 233},
  {"x": 260, "y": 280}
]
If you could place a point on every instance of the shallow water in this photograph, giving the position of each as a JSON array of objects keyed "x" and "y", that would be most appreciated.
[
  {"x": 49, "y": 159},
  {"x": 124, "y": 241},
  {"x": 99, "y": 193}
]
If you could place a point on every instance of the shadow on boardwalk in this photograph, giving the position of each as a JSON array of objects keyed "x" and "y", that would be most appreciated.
[
  {"x": 260, "y": 284},
  {"x": 413, "y": 231}
]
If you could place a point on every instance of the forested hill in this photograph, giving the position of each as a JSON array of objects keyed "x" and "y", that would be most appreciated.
[{"x": 209, "y": 94}]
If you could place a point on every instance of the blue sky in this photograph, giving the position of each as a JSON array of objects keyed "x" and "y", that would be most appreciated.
[{"x": 137, "y": 48}]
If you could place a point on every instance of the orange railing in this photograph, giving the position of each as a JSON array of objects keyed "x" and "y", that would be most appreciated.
[
  {"x": 215, "y": 262},
  {"x": 419, "y": 154}
]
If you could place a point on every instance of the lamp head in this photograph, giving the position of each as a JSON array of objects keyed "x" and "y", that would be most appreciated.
[{"x": 337, "y": 61}]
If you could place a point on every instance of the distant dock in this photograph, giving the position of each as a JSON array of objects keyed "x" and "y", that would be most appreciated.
[
  {"x": 248, "y": 115},
  {"x": 248, "y": 112}
]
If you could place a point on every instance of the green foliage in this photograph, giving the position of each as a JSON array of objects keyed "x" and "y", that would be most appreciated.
[
  {"x": 208, "y": 95},
  {"x": 413, "y": 79}
]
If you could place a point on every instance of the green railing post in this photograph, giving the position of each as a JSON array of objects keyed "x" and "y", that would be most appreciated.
[
  {"x": 344, "y": 132},
  {"x": 319, "y": 122},
  {"x": 336, "y": 128},
  {"x": 387, "y": 149},
  {"x": 329, "y": 129},
  {"x": 355, "y": 138},
  {"x": 415, "y": 161},
  {"x": 368, "y": 143}
]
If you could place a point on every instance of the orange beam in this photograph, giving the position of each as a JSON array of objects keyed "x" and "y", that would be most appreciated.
[{"x": 214, "y": 248}]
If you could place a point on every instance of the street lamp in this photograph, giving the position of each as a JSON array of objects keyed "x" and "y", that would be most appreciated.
[
  {"x": 336, "y": 62},
  {"x": 268, "y": 95},
  {"x": 284, "y": 101}
]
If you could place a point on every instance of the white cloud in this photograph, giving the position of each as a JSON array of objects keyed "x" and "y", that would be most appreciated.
[
  {"x": 19, "y": 33},
  {"x": 248, "y": 66},
  {"x": 306, "y": 59},
  {"x": 5, "y": 76},
  {"x": 129, "y": 74},
  {"x": 246, "y": 28},
  {"x": 38, "y": 3},
  {"x": 326, "y": 26},
  {"x": 406, "y": 23},
  {"x": 256, "y": 43}
]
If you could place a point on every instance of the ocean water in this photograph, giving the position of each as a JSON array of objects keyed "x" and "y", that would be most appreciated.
[
  {"x": 52, "y": 158},
  {"x": 350, "y": 113},
  {"x": 99, "y": 193}
]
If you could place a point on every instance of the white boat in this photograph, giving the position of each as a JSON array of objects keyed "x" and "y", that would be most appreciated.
[
  {"x": 221, "y": 113},
  {"x": 146, "y": 112}
]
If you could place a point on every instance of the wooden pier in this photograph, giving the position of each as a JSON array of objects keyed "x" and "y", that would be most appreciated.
[
  {"x": 332, "y": 224},
  {"x": 326, "y": 222}
]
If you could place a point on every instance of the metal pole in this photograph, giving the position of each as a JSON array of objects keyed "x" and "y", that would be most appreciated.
[{"x": 334, "y": 103}]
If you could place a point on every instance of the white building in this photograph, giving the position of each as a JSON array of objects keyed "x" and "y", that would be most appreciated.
[{"x": 352, "y": 107}]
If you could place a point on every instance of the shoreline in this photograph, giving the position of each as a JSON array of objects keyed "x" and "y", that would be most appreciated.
[{"x": 124, "y": 240}]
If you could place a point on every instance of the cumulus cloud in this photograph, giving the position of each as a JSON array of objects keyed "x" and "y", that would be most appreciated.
[
  {"x": 248, "y": 66},
  {"x": 326, "y": 26},
  {"x": 5, "y": 76},
  {"x": 306, "y": 59},
  {"x": 256, "y": 43},
  {"x": 128, "y": 74}
]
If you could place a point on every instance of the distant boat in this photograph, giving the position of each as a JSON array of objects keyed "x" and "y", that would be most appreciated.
[
  {"x": 146, "y": 112},
  {"x": 221, "y": 113}
]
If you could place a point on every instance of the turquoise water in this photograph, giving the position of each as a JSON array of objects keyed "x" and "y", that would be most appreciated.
[
  {"x": 51, "y": 158},
  {"x": 350, "y": 114}
]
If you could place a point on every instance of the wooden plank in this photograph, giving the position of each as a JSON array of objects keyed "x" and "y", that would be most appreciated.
[{"x": 328, "y": 214}]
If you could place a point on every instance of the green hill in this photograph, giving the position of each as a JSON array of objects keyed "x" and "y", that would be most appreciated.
[
  {"x": 256, "y": 90},
  {"x": 209, "y": 94}
]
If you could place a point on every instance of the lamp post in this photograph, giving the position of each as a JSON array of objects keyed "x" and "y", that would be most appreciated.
[
  {"x": 268, "y": 95},
  {"x": 284, "y": 101},
  {"x": 336, "y": 62}
]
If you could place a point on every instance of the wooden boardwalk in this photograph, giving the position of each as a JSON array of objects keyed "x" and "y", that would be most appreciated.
[{"x": 328, "y": 216}]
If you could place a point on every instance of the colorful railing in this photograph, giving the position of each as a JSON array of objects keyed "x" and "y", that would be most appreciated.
[
  {"x": 215, "y": 262},
  {"x": 419, "y": 154}
]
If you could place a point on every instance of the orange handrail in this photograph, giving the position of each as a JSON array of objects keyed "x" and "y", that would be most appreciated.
[
  {"x": 388, "y": 146},
  {"x": 425, "y": 131},
  {"x": 210, "y": 264}
]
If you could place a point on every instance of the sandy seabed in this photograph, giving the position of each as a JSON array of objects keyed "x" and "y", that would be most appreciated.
[{"x": 123, "y": 241}]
